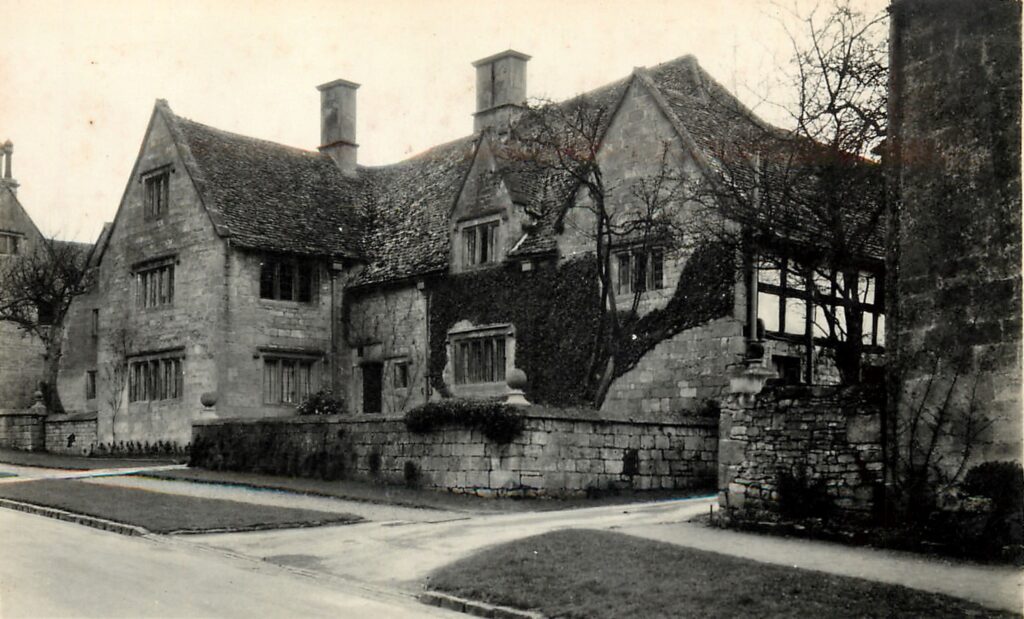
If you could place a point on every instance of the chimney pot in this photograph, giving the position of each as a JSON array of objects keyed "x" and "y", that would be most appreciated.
[
  {"x": 338, "y": 123},
  {"x": 500, "y": 89}
]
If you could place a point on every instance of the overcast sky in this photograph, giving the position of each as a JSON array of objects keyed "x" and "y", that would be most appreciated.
[{"x": 78, "y": 79}]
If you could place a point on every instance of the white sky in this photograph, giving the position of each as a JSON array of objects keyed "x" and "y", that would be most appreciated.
[{"x": 78, "y": 78}]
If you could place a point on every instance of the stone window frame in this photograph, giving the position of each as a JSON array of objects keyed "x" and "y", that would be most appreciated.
[
  {"x": 653, "y": 279},
  {"x": 156, "y": 192},
  {"x": 154, "y": 282},
  {"x": 94, "y": 323},
  {"x": 11, "y": 242},
  {"x": 465, "y": 332},
  {"x": 160, "y": 374},
  {"x": 401, "y": 373},
  {"x": 779, "y": 283},
  {"x": 90, "y": 385},
  {"x": 273, "y": 365},
  {"x": 304, "y": 279},
  {"x": 495, "y": 242}
]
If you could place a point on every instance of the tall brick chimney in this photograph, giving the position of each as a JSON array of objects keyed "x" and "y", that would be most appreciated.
[
  {"x": 6, "y": 154},
  {"x": 500, "y": 89},
  {"x": 338, "y": 123}
]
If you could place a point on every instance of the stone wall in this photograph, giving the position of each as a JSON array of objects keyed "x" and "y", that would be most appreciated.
[
  {"x": 681, "y": 373},
  {"x": 955, "y": 266},
  {"x": 787, "y": 448},
  {"x": 387, "y": 326},
  {"x": 21, "y": 430},
  {"x": 559, "y": 453},
  {"x": 71, "y": 434}
]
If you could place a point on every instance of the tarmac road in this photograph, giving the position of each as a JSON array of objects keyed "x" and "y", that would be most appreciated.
[{"x": 50, "y": 568}]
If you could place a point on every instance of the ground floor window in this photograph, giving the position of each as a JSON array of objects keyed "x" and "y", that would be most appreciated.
[
  {"x": 479, "y": 358},
  {"x": 155, "y": 378},
  {"x": 288, "y": 380}
]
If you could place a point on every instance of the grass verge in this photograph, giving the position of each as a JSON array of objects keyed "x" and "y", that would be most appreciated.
[
  {"x": 161, "y": 512},
  {"x": 600, "y": 574},
  {"x": 358, "y": 490},
  {"x": 80, "y": 463}
]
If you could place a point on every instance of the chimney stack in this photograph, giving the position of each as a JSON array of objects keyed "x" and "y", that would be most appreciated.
[
  {"x": 500, "y": 89},
  {"x": 338, "y": 123},
  {"x": 6, "y": 154}
]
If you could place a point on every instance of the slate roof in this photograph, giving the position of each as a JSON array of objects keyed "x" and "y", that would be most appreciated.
[{"x": 268, "y": 196}]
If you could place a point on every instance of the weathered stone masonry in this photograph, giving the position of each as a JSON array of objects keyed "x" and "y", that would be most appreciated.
[
  {"x": 559, "y": 453},
  {"x": 820, "y": 437},
  {"x": 955, "y": 261}
]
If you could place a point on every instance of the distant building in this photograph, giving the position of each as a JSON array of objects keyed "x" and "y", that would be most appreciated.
[{"x": 21, "y": 354}]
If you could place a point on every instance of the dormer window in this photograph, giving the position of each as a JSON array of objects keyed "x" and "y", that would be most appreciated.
[{"x": 480, "y": 244}]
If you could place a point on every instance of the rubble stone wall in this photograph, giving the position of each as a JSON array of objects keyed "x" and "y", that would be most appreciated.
[{"x": 789, "y": 444}]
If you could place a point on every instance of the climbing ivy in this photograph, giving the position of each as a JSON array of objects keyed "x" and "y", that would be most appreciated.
[
  {"x": 555, "y": 312},
  {"x": 704, "y": 292}
]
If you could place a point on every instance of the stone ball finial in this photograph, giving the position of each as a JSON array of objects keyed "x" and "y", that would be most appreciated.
[
  {"x": 37, "y": 396},
  {"x": 516, "y": 379},
  {"x": 8, "y": 146},
  {"x": 208, "y": 399}
]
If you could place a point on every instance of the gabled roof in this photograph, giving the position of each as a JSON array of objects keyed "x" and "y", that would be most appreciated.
[
  {"x": 268, "y": 196},
  {"x": 396, "y": 218}
]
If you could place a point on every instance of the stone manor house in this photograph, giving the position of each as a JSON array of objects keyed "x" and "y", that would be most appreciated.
[{"x": 249, "y": 274}]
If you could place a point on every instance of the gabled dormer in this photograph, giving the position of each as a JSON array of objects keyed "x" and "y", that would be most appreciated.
[{"x": 480, "y": 230}]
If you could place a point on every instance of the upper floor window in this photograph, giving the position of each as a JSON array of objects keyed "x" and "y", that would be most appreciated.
[
  {"x": 155, "y": 378},
  {"x": 156, "y": 186},
  {"x": 795, "y": 303},
  {"x": 90, "y": 385},
  {"x": 154, "y": 283},
  {"x": 287, "y": 279},
  {"x": 94, "y": 323},
  {"x": 288, "y": 380},
  {"x": 401, "y": 376},
  {"x": 10, "y": 243},
  {"x": 639, "y": 270},
  {"x": 480, "y": 244}
]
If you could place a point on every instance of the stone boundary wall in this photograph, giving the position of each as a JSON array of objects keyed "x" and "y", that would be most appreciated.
[
  {"x": 788, "y": 447},
  {"x": 559, "y": 453},
  {"x": 22, "y": 430},
  {"x": 71, "y": 434}
]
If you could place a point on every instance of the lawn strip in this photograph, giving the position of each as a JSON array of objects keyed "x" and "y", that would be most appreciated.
[
  {"x": 357, "y": 490},
  {"x": 161, "y": 512},
  {"x": 601, "y": 574},
  {"x": 79, "y": 463}
]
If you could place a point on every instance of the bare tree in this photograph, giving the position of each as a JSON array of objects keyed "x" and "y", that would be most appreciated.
[
  {"x": 561, "y": 142},
  {"x": 115, "y": 370},
  {"x": 810, "y": 199},
  {"x": 36, "y": 290}
]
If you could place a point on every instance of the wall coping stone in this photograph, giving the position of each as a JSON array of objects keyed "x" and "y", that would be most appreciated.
[
  {"x": 72, "y": 417},
  {"x": 529, "y": 412},
  {"x": 20, "y": 413}
]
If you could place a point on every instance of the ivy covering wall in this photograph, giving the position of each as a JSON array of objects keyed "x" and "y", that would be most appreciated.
[
  {"x": 556, "y": 312},
  {"x": 704, "y": 292}
]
